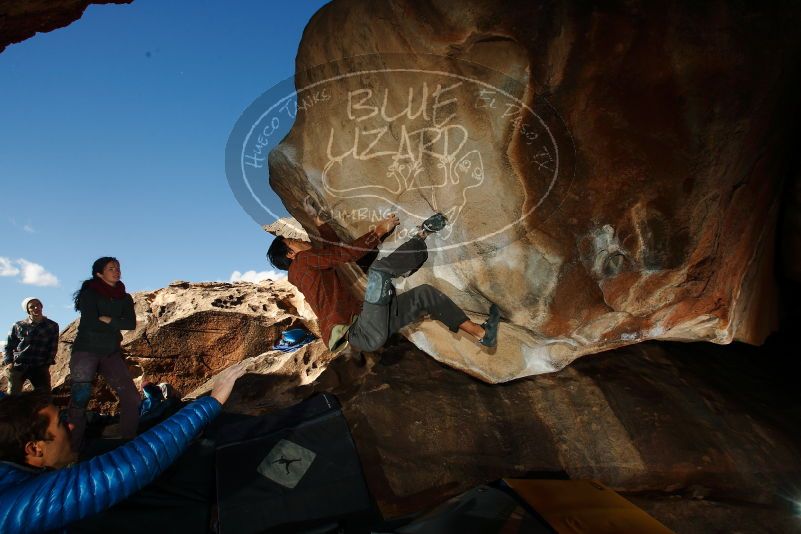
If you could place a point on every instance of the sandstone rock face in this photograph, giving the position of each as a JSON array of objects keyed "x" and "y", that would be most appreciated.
[
  {"x": 678, "y": 422},
  {"x": 188, "y": 332},
  {"x": 287, "y": 227},
  {"x": 21, "y": 20},
  {"x": 612, "y": 174},
  {"x": 791, "y": 231}
]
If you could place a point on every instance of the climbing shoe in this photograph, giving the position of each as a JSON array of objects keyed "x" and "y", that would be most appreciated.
[
  {"x": 435, "y": 223},
  {"x": 490, "y": 327}
]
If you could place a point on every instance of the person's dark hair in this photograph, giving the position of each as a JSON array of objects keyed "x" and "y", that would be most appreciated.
[
  {"x": 21, "y": 422},
  {"x": 277, "y": 254},
  {"x": 97, "y": 267}
]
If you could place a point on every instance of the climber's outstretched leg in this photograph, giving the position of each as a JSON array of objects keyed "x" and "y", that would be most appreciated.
[{"x": 383, "y": 313}]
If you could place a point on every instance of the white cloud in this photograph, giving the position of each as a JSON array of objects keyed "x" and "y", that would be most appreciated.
[
  {"x": 35, "y": 275},
  {"x": 7, "y": 267},
  {"x": 27, "y": 227},
  {"x": 30, "y": 273},
  {"x": 255, "y": 277}
]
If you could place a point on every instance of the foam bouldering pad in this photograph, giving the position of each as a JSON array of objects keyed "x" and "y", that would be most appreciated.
[
  {"x": 289, "y": 470},
  {"x": 584, "y": 506}
]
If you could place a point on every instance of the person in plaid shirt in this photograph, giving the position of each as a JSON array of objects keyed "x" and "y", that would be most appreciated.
[
  {"x": 367, "y": 325},
  {"x": 31, "y": 349}
]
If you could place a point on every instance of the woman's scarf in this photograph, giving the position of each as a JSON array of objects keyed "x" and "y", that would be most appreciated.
[{"x": 116, "y": 291}]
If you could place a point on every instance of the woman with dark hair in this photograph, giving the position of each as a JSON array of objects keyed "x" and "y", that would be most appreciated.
[{"x": 106, "y": 309}]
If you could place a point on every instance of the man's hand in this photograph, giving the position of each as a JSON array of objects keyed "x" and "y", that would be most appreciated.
[
  {"x": 310, "y": 209},
  {"x": 105, "y": 319},
  {"x": 385, "y": 226},
  {"x": 224, "y": 382}
]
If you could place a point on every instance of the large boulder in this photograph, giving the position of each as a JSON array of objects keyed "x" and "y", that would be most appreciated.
[
  {"x": 612, "y": 173},
  {"x": 188, "y": 332}
]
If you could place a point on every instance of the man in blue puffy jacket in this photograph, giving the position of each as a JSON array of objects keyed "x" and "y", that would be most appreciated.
[{"x": 42, "y": 488}]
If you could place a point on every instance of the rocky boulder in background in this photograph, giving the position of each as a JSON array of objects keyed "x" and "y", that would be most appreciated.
[
  {"x": 188, "y": 332},
  {"x": 613, "y": 173}
]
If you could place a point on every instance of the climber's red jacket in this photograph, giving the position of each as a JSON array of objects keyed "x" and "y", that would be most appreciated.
[{"x": 312, "y": 272}]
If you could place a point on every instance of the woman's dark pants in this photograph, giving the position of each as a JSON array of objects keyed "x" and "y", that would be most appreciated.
[{"x": 83, "y": 368}]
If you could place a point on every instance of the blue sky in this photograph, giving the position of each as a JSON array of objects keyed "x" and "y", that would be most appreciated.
[{"x": 112, "y": 139}]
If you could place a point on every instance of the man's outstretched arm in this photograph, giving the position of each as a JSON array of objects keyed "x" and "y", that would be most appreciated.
[
  {"x": 328, "y": 257},
  {"x": 57, "y": 498}
]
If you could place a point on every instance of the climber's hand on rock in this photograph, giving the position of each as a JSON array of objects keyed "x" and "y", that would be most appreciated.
[
  {"x": 224, "y": 382},
  {"x": 385, "y": 226},
  {"x": 308, "y": 206},
  {"x": 311, "y": 210}
]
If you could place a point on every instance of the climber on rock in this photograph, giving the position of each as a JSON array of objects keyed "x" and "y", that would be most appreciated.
[{"x": 367, "y": 325}]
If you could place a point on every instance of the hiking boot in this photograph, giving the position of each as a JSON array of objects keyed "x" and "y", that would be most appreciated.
[
  {"x": 435, "y": 223},
  {"x": 490, "y": 327}
]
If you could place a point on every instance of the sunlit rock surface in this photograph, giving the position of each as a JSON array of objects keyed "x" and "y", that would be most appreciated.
[
  {"x": 287, "y": 227},
  {"x": 188, "y": 332},
  {"x": 613, "y": 174}
]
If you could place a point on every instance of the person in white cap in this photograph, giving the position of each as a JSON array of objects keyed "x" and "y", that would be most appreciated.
[{"x": 31, "y": 349}]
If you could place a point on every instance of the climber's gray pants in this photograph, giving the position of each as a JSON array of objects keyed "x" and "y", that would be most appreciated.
[{"x": 377, "y": 322}]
